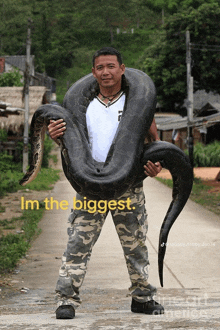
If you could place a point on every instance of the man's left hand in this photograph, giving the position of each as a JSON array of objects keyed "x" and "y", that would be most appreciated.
[{"x": 152, "y": 169}]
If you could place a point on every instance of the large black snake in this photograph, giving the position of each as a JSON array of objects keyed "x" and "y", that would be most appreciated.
[{"x": 123, "y": 167}]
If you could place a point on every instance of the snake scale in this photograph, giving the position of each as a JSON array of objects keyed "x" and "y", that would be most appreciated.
[{"x": 123, "y": 167}]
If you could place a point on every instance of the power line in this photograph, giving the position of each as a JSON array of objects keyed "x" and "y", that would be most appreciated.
[
  {"x": 210, "y": 50},
  {"x": 205, "y": 47},
  {"x": 201, "y": 44}
]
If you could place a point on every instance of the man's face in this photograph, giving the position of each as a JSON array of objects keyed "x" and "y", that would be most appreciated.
[{"x": 108, "y": 71}]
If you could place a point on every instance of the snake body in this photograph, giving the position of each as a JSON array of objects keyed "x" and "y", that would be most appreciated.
[{"x": 123, "y": 167}]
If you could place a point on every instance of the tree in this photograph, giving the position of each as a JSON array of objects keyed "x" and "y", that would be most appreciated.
[
  {"x": 172, "y": 6},
  {"x": 165, "y": 60},
  {"x": 104, "y": 15},
  {"x": 13, "y": 26},
  {"x": 53, "y": 39},
  {"x": 11, "y": 78},
  {"x": 59, "y": 28}
]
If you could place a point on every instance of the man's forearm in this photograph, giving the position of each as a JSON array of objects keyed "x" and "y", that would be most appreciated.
[{"x": 153, "y": 131}]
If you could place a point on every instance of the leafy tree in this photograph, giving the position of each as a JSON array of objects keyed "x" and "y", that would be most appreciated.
[
  {"x": 104, "y": 15},
  {"x": 13, "y": 26},
  {"x": 59, "y": 28},
  {"x": 11, "y": 78},
  {"x": 172, "y": 6},
  {"x": 165, "y": 60}
]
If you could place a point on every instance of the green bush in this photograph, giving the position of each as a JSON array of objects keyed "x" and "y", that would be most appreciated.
[
  {"x": 7, "y": 164},
  {"x": 11, "y": 174},
  {"x": 8, "y": 177},
  {"x": 14, "y": 246},
  {"x": 207, "y": 155},
  {"x": 8, "y": 182},
  {"x": 3, "y": 135},
  {"x": 12, "y": 78}
]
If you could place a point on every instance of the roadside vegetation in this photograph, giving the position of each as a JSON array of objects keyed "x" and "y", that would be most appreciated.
[
  {"x": 17, "y": 233},
  {"x": 206, "y": 155},
  {"x": 11, "y": 172},
  {"x": 202, "y": 193},
  {"x": 14, "y": 246}
]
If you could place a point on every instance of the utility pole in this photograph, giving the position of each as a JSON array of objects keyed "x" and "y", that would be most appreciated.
[
  {"x": 162, "y": 16},
  {"x": 26, "y": 97},
  {"x": 189, "y": 98}
]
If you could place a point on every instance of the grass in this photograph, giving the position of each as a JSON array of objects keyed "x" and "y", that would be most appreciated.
[
  {"x": 14, "y": 246},
  {"x": 2, "y": 208},
  {"x": 17, "y": 233},
  {"x": 201, "y": 194},
  {"x": 44, "y": 181}
]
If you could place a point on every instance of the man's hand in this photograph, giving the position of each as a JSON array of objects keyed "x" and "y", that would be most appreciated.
[
  {"x": 152, "y": 169},
  {"x": 56, "y": 129}
]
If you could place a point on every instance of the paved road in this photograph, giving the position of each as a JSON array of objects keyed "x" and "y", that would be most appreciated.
[{"x": 191, "y": 293}]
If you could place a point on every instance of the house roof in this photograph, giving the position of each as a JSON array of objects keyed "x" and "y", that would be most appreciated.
[
  {"x": 19, "y": 61},
  {"x": 201, "y": 98},
  {"x": 209, "y": 108},
  {"x": 174, "y": 121}
]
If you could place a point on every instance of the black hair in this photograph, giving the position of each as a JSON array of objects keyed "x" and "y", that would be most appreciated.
[{"x": 107, "y": 51}]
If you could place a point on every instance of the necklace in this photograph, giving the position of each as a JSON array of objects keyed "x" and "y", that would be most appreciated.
[
  {"x": 113, "y": 100},
  {"x": 110, "y": 97}
]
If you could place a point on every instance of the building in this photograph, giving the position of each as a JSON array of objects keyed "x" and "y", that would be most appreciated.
[
  {"x": 8, "y": 63},
  {"x": 206, "y": 121}
]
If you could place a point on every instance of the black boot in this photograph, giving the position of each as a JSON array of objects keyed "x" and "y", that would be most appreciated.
[
  {"x": 148, "y": 307},
  {"x": 65, "y": 312}
]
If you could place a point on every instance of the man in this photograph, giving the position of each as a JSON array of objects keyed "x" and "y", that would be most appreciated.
[{"x": 102, "y": 118}]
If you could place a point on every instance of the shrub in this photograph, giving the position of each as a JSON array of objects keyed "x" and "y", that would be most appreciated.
[
  {"x": 12, "y": 248},
  {"x": 3, "y": 135},
  {"x": 7, "y": 164},
  {"x": 15, "y": 246},
  {"x": 11, "y": 173},
  {"x": 207, "y": 155},
  {"x": 8, "y": 182},
  {"x": 11, "y": 78}
]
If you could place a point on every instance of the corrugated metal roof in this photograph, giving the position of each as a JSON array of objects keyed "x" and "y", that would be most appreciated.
[
  {"x": 201, "y": 98},
  {"x": 173, "y": 122},
  {"x": 210, "y": 106},
  {"x": 19, "y": 61}
]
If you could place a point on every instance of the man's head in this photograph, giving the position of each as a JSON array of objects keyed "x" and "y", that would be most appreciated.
[
  {"x": 108, "y": 69},
  {"x": 107, "y": 51}
]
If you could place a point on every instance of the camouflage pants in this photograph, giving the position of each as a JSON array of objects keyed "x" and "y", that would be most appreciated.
[{"x": 131, "y": 226}]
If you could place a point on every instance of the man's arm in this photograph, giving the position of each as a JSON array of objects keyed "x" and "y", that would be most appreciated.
[
  {"x": 153, "y": 131},
  {"x": 150, "y": 168}
]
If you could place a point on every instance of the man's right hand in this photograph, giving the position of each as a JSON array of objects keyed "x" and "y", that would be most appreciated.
[{"x": 56, "y": 129}]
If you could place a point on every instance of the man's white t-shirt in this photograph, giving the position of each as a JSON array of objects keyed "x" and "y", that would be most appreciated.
[{"x": 102, "y": 123}]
